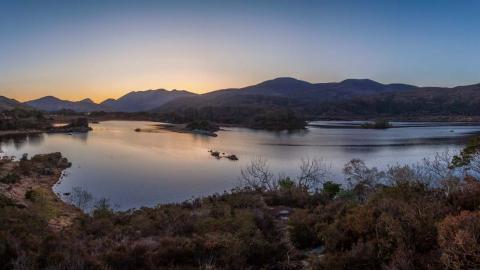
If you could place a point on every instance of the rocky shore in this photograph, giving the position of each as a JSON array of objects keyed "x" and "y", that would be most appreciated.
[{"x": 28, "y": 183}]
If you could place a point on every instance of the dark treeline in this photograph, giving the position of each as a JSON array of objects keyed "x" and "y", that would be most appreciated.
[
  {"x": 22, "y": 119},
  {"x": 390, "y": 106},
  {"x": 427, "y": 101},
  {"x": 253, "y": 117}
]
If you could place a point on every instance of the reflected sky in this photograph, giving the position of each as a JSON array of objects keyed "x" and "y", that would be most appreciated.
[{"x": 135, "y": 169}]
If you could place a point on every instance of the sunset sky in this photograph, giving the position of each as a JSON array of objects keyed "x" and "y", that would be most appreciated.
[{"x": 103, "y": 49}]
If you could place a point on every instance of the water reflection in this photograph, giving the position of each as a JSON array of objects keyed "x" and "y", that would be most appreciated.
[
  {"x": 135, "y": 169},
  {"x": 18, "y": 141}
]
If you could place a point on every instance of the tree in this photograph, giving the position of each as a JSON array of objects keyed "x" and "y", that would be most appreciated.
[
  {"x": 361, "y": 179},
  {"x": 467, "y": 154},
  {"x": 313, "y": 173},
  {"x": 258, "y": 175},
  {"x": 81, "y": 198}
]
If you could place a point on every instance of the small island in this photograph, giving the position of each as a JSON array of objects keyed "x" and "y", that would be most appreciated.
[
  {"x": 201, "y": 127},
  {"x": 28, "y": 121},
  {"x": 217, "y": 155},
  {"x": 377, "y": 124}
]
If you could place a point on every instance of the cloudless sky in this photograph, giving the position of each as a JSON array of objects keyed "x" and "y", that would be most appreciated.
[{"x": 103, "y": 49}]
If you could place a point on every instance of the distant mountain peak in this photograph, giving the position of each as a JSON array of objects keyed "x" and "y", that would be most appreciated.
[
  {"x": 49, "y": 98},
  {"x": 284, "y": 82},
  {"x": 360, "y": 81},
  {"x": 285, "y": 79},
  {"x": 9, "y": 103},
  {"x": 87, "y": 100},
  {"x": 51, "y": 103},
  {"x": 137, "y": 101},
  {"x": 108, "y": 100}
]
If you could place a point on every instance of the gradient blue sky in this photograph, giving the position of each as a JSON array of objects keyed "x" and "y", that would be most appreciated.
[{"x": 101, "y": 49}]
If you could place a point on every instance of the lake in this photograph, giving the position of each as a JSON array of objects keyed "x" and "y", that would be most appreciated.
[{"x": 135, "y": 169}]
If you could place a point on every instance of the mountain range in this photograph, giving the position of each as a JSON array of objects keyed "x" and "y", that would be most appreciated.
[
  {"x": 50, "y": 103},
  {"x": 138, "y": 101},
  {"x": 9, "y": 104},
  {"x": 287, "y": 92},
  {"x": 350, "y": 96}
]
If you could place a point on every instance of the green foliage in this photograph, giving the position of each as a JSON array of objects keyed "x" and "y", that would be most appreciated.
[
  {"x": 42, "y": 203},
  {"x": 331, "y": 188},
  {"x": 286, "y": 183},
  {"x": 10, "y": 178},
  {"x": 465, "y": 156}
]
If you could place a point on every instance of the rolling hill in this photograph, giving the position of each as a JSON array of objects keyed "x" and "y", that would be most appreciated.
[
  {"x": 144, "y": 100},
  {"x": 9, "y": 104},
  {"x": 286, "y": 92},
  {"x": 50, "y": 103}
]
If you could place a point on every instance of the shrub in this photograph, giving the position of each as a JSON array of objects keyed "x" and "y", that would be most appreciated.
[
  {"x": 302, "y": 230},
  {"x": 42, "y": 203},
  {"x": 10, "y": 178},
  {"x": 459, "y": 240},
  {"x": 286, "y": 183},
  {"x": 331, "y": 189}
]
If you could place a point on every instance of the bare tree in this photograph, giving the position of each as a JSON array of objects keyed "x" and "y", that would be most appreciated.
[
  {"x": 80, "y": 198},
  {"x": 398, "y": 174},
  {"x": 357, "y": 173},
  {"x": 475, "y": 164},
  {"x": 361, "y": 179},
  {"x": 258, "y": 175},
  {"x": 441, "y": 172},
  {"x": 439, "y": 167},
  {"x": 313, "y": 173}
]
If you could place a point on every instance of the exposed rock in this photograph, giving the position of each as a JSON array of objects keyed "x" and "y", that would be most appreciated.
[
  {"x": 217, "y": 155},
  {"x": 232, "y": 157}
]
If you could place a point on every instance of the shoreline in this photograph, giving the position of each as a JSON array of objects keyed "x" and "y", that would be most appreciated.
[
  {"x": 178, "y": 128},
  {"x": 21, "y": 132},
  {"x": 48, "y": 131},
  {"x": 59, "y": 214}
]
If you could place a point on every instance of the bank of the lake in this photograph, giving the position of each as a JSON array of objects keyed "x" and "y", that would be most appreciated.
[{"x": 28, "y": 183}]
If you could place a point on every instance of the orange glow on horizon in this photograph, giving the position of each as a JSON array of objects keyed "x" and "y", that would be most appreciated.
[{"x": 99, "y": 94}]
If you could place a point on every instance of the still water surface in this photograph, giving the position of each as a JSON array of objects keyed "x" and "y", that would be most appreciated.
[{"x": 143, "y": 169}]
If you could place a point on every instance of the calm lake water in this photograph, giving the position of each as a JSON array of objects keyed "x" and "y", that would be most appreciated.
[{"x": 143, "y": 169}]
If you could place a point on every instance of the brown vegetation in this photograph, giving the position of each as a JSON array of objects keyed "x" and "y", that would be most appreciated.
[{"x": 406, "y": 217}]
